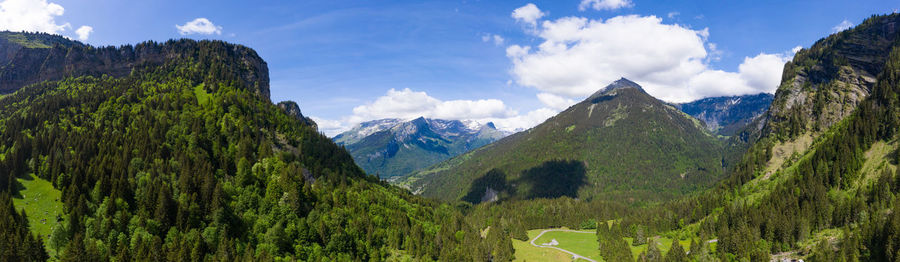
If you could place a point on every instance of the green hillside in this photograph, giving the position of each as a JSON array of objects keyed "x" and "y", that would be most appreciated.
[
  {"x": 185, "y": 161},
  {"x": 821, "y": 181},
  {"x": 620, "y": 143}
]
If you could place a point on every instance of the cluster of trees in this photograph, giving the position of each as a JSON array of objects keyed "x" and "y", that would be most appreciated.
[
  {"x": 186, "y": 162},
  {"x": 613, "y": 246}
]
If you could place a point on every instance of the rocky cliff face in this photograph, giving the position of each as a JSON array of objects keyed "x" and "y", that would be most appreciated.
[
  {"x": 825, "y": 83},
  {"x": 293, "y": 109},
  {"x": 728, "y": 114},
  {"x": 31, "y": 58}
]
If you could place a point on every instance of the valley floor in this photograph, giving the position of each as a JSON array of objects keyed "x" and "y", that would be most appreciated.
[{"x": 574, "y": 245}]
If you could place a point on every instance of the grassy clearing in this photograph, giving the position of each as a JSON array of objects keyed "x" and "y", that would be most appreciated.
[
  {"x": 42, "y": 205},
  {"x": 202, "y": 95},
  {"x": 584, "y": 244},
  {"x": 878, "y": 158},
  {"x": 526, "y": 252}
]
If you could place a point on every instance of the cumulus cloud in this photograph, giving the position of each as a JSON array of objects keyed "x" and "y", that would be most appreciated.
[
  {"x": 844, "y": 25},
  {"x": 199, "y": 26},
  {"x": 604, "y": 4},
  {"x": 84, "y": 32},
  {"x": 409, "y": 104},
  {"x": 31, "y": 15},
  {"x": 578, "y": 56},
  {"x": 528, "y": 14}
]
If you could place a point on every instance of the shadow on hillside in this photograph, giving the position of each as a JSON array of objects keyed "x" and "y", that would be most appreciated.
[
  {"x": 554, "y": 179},
  {"x": 602, "y": 99},
  {"x": 494, "y": 179}
]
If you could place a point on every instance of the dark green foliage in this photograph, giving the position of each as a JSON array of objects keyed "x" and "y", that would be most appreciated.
[
  {"x": 640, "y": 238},
  {"x": 17, "y": 243},
  {"x": 149, "y": 170},
  {"x": 652, "y": 254},
  {"x": 494, "y": 179},
  {"x": 613, "y": 246},
  {"x": 676, "y": 253}
]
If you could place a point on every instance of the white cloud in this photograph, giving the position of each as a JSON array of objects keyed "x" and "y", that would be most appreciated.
[
  {"x": 844, "y": 25},
  {"x": 528, "y": 14},
  {"x": 409, "y": 104},
  {"x": 578, "y": 56},
  {"x": 555, "y": 101},
  {"x": 199, "y": 26},
  {"x": 604, "y": 4},
  {"x": 672, "y": 15},
  {"x": 31, "y": 15},
  {"x": 497, "y": 39},
  {"x": 330, "y": 127},
  {"x": 84, "y": 32},
  {"x": 796, "y": 49}
]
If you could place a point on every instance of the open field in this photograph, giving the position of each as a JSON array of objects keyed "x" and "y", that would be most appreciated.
[
  {"x": 42, "y": 205},
  {"x": 526, "y": 252},
  {"x": 584, "y": 244}
]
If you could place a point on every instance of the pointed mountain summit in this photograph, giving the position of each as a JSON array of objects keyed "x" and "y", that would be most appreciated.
[
  {"x": 622, "y": 83},
  {"x": 620, "y": 143}
]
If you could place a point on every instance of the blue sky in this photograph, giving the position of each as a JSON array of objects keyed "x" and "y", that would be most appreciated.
[{"x": 442, "y": 59}]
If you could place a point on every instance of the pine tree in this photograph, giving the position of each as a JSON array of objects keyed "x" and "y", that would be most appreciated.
[{"x": 676, "y": 253}]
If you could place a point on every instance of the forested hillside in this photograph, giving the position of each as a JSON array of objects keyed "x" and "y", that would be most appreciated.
[
  {"x": 821, "y": 182},
  {"x": 185, "y": 161},
  {"x": 620, "y": 143}
]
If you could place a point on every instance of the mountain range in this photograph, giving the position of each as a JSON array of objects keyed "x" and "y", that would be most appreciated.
[{"x": 393, "y": 147}]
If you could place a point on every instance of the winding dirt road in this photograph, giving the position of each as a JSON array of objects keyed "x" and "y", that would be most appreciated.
[{"x": 574, "y": 256}]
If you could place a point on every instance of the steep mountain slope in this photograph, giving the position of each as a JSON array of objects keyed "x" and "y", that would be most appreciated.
[
  {"x": 392, "y": 148},
  {"x": 823, "y": 181},
  {"x": 619, "y": 143},
  {"x": 825, "y": 83},
  {"x": 727, "y": 115},
  {"x": 185, "y": 161}
]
